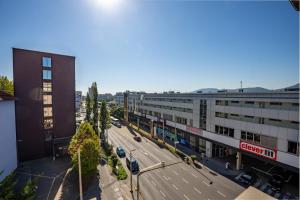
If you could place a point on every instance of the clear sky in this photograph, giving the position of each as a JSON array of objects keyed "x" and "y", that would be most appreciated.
[{"x": 159, "y": 45}]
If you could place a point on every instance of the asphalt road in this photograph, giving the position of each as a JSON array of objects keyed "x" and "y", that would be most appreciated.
[{"x": 179, "y": 181}]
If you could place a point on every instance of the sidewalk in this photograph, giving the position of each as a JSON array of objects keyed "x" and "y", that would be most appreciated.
[{"x": 112, "y": 189}]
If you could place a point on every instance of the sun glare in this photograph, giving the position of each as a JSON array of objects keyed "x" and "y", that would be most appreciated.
[{"x": 108, "y": 4}]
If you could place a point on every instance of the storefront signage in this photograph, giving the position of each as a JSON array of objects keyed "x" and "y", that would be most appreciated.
[
  {"x": 196, "y": 131},
  {"x": 259, "y": 150}
]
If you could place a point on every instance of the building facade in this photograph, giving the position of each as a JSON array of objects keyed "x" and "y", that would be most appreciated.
[
  {"x": 105, "y": 97},
  {"x": 262, "y": 126},
  {"x": 45, "y": 111},
  {"x": 8, "y": 147},
  {"x": 78, "y": 99}
]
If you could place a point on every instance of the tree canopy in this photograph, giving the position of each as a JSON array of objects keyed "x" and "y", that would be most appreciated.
[
  {"x": 87, "y": 141},
  {"x": 6, "y": 85}
]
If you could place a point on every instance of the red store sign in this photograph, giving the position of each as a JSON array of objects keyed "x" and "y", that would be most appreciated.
[
  {"x": 196, "y": 131},
  {"x": 259, "y": 150}
]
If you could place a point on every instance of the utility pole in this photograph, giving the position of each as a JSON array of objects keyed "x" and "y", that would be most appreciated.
[
  {"x": 163, "y": 131},
  {"x": 130, "y": 157},
  {"x": 80, "y": 180}
]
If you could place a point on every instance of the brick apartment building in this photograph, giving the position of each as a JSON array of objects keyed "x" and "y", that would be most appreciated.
[{"x": 45, "y": 110}]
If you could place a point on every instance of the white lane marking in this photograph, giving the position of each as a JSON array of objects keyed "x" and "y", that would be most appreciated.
[
  {"x": 186, "y": 197},
  {"x": 197, "y": 190},
  {"x": 205, "y": 183},
  {"x": 146, "y": 153},
  {"x": 153, "y": 183},
  {"x": 175, "y": 173},
  {"x": 220, "y": 193},
  {"x": 166, "y": 177},
  {"x": 162, "y": 193},
  {"x": 174, "y": 186},
  {"x": 182, "y": 168},
  {"x": 185, "y": 180},
  {"x": 158, "y": 170},
  {"x": 194, "y": 175}
]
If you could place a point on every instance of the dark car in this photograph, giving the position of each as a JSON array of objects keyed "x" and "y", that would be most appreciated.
[
  {"x": 121, "y": 152},
  {"x": 248, "y": 178},
  {"x": 134, "y": 164},
  {"x": 277, "y": 181},
  {"x": 137, "y": 138},
  {"x": 118, "y": 125}
]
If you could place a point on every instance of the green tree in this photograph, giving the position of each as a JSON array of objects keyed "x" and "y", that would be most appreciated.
[
  {"x": 104, "y": 118},
  {"x": 6, "y": 85},
  {"x": 88, "y": 108},
  {"x": 117, "y": 112},
  {"x": 95, "y": 106},
  {"x": 87, "y": 141},
  {"x": 7, "y": 187}
]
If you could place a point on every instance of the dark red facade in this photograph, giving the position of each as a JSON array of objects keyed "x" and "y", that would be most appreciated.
[{"x": 33, "y": 140}]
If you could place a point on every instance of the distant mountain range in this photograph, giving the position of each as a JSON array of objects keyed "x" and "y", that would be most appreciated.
[{"x": 247, "y": 90}]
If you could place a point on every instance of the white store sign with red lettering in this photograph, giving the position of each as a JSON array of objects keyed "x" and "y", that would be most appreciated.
[{"x": 259, "y": 150}]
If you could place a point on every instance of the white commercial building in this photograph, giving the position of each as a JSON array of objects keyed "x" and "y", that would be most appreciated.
[
  {"x": 8, "y": 148},
  {"x": 263, "y": 126}
]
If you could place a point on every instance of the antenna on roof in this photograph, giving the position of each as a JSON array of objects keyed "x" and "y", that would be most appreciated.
[{"x": 241, "y": 90}]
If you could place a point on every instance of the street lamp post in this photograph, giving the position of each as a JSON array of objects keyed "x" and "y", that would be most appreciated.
[
  {"x": 130, "y": 157},
  {"x": 80, "y": 180},
  {"x": 164, "y": 131}
]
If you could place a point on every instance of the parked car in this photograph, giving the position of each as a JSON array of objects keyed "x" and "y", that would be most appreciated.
[
  {"x": 121, "y": 152},
  {"x": 117, "y": 124},
  {"x": 248, "y": 178},
  {"x": 134, "y": 164},
  {"x": 137, "y": 138},
  {"x": 277, "y": 181}
]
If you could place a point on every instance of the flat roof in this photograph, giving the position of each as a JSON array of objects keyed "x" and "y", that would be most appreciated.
[
  {"x": 56, "y": 54},
  {"x": 251, "y": 193}
]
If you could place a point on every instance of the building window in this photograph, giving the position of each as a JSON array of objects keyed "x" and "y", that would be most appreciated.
[
  {"x": 47, "y": 99},
  {"x": 47, "y": 75},
  {"x": 275, "y": 103},
  {"x": 47, "y": 87},
  {"x": 48, "y": 123},
  {"x": 249, "y": 136},
  {"x": 47, "y": 62},
  {"x": 231, "y": 132},
  {"x": 243, "y": 135},
  {"x": 292, "y": 147},
  {"x": 48, "y": 112}
]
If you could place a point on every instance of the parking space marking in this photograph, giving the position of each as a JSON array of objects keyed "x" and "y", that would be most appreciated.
[
  {"x": 175, "y": 173},
  {"x": 162, "y": 193},
  {"x": 220, "y": 193},
  {"x": 197, "y": 190},
  {"x": 205, "y": 183},
  {"x": 186, "y": 197},
  {"x": 174, "y": 186},
  {"x": 194, "y": 175},
  {"x": 167, "y": 178},
  {"x": 185, "y": 180},
  {"x": 153, "y": 183}
]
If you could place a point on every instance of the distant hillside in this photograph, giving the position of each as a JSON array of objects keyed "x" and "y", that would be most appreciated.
[{"x": 247, "y": 90}]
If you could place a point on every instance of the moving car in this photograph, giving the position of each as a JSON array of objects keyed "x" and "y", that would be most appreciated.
[
  {"x": 137, "y": 138},
  {"x": 121, "y": 152},
  {"x": 134, "y": 164}
]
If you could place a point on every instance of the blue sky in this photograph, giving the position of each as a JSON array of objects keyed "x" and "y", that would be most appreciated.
[{"x": 159, "y": 45}]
